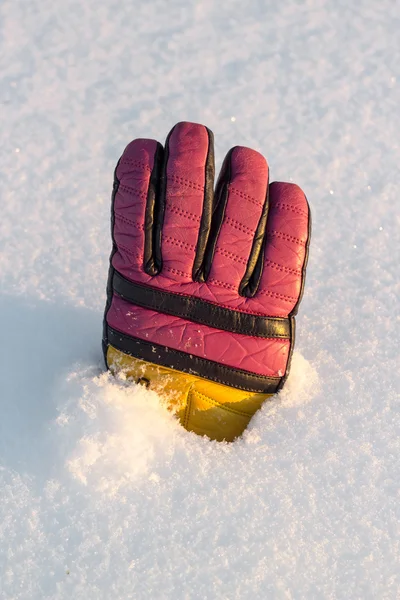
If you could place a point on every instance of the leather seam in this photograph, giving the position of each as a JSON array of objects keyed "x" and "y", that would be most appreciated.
[
  {"x": 245, "y": 196},
  {"x": 246, "y": 374},
  {"x": 196, "y": 186},
  {"x": 222, "y": 284},
  {"x": 276, "y": 295},
  {"x": 137, "y": 163},
  {"x": 125, "y": 249},
  {"x": 129, "y": 221},
  {"x": 279, "y": 267},
  {"x": 179, "y": 243},
  {"x": 285, "y": 236},
  {"x": 290, "y": 208},
  {"x": 231, "y": 255},
  {"x": 177, "y": 272},
  {"x": 218, "y": 405},
  {"x": 239, "y": 226},
  {"x": 133, "y": 191},
  {"x": 184, "y": 213}
]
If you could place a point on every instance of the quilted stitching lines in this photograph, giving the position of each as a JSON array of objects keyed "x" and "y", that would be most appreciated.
[
  {"x": 231, "y": 255},
  {"x": 237, "y": 225},
  {"x": 184, "y": 213},
  {"x": 186, "y": 182},
  {"x": 291, "y": 208},
  {"x": 129, "y": 221},
  {"x": 132, "y": 191},
  {"x": 245, "y": 196},
  {"x": 179, "y": 243},
  {"x": 285, "y": 236},
  {"x": 126, "y": 160}
]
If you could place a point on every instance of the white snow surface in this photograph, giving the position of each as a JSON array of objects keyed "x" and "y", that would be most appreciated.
[{"x": 103, "y": 495}]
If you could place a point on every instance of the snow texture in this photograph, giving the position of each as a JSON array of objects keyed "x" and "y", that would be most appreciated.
[{"x": 102, "y": 494}]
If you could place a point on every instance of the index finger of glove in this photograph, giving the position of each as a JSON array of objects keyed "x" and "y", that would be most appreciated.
[{"x": 135, "y": 185}]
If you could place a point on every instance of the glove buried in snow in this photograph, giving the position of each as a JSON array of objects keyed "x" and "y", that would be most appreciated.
[{"x": 203, "y": 286}]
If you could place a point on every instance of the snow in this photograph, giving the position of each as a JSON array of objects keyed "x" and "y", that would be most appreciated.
[{"x": 102, "y": 493}]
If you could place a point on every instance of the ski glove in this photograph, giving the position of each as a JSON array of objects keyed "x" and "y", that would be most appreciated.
[{"x": 204, "y": 285}]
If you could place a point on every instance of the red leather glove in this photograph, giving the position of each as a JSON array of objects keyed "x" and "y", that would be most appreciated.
[{"x": 203, "y": 287}]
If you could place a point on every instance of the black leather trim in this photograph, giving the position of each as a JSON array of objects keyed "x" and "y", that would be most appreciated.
[
  {"x": 251, "y": 279},
  {"x": 160, "y": 212},
  {"x": 194, "y": 365},
  {"x": 220, "y": 200},
  {"x": 200, "y": 311},
  {"x": 205, "y": 223},
  {"x": 151, "y": 257}
]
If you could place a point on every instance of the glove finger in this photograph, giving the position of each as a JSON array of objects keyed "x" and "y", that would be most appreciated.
[
  {"x": 135, "y": 185},
  {"x": 239, "y": 221},
  {"x": 187, "y": 197},
  {"x": 287, "y": 238}
]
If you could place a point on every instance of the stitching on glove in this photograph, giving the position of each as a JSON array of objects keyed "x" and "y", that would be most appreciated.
[
  {"x": 187, "y": 182},
  {"x": 132, "y": 191},
  {"x": 125, "y": 249},
  {"x": 237, "y": 225},
  {"x": 129, "y": 221},
  {"x": 231, "y": 255},
  {"x": 177, "y": 272},
  {"x": 183, "y": 213},
  {"x": 245, "y": 196},
  {"x": 132, "y": 161},
  {"x": 285, "y": 236},
  {"x": 279, "y": 267},
  {"x": 223, "y": 406},
  {"x": 179, "y": 243},
  {"x": 290, "y": 208},
  {"x": 276, "y": 295},
  {"x": 227, "y": 286}
]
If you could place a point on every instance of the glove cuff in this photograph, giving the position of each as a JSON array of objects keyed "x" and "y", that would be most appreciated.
[{"x": 205, "y": 407}]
